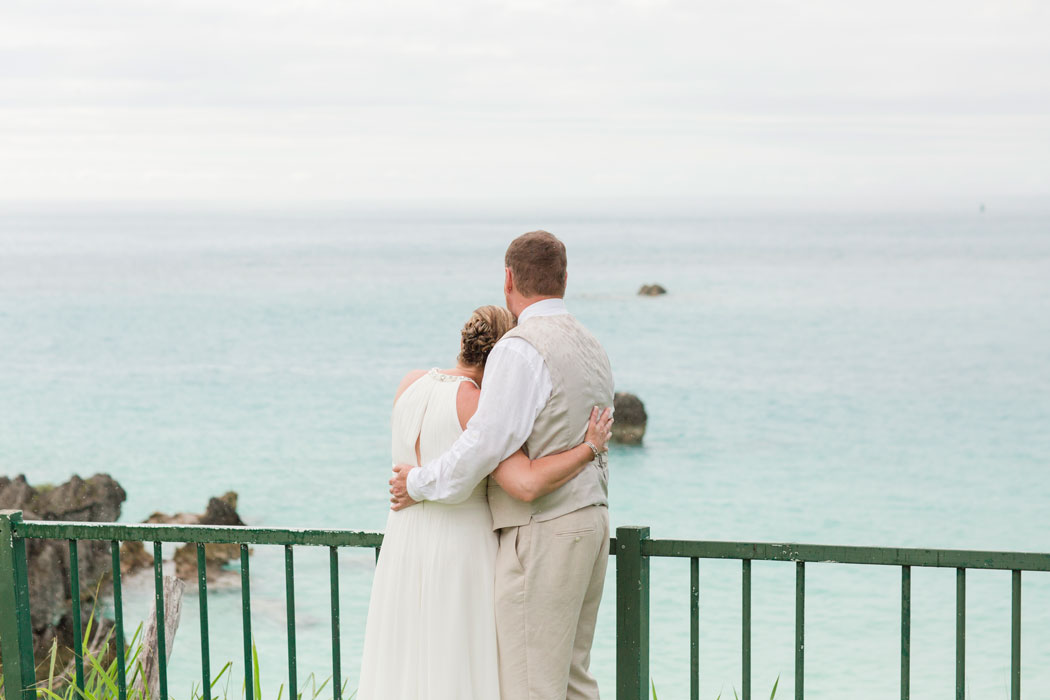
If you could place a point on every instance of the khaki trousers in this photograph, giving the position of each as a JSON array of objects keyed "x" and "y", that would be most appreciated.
[{"x": 549, "y": 580}]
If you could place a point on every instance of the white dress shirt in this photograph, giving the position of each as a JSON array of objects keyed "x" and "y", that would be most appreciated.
[{"x": 517, "y": 386}]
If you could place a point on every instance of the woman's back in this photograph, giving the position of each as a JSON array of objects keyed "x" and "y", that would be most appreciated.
[
  {"x": 431, "y": 632},
  {"x": 425, "y": 417}
]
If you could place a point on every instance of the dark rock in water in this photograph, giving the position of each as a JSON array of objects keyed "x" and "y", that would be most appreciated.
[
  {"x": 220, "y": 511},
  {"x": 651, "y": 290},
  {"x": 97, "y": 499},
  {"x": 629, "y": 419},
  {"x": 216, "y": 557},
  {"x": 16, "y": 494},
  {"x": 133, "y": 556}
]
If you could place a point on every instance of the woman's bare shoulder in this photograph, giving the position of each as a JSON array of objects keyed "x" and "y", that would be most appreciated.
[
  {"x": 408, "y": 381},
  {"x": 467, "y": 402}
]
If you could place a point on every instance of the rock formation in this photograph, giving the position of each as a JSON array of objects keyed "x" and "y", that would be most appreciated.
[
  {"x": 629, "y": 419},
  {"x": 97, "y": 499},
  {"x": 220, "y": 511},
  {"x": 651, "y": 290}
]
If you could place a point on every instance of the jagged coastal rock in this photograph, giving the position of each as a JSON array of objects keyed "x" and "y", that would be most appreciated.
[
  {"x": 220, "y": 511},
  {"x": 651, "y": 290},
  {"x": 97, "y": 499},
  {"x": 630, "y": 419}
]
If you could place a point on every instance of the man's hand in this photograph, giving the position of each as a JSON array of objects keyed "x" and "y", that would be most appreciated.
[{"x": 399, "y": 497}]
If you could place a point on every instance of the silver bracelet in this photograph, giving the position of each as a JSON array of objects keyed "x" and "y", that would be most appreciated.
[{"x": 594, "y": 448}]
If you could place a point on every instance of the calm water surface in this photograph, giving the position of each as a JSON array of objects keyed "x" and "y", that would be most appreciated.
[{"x": 839, "y": 379}]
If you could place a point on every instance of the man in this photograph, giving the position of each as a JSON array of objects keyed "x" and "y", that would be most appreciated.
[{"x": 541, "y": 382}]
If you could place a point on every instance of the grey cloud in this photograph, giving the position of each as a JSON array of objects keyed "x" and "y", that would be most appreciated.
[{"x": 415, "y": 99}]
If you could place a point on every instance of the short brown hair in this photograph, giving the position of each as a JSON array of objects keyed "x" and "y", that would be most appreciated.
[
  {"x": 481, "y": 332},
  {"x": 538, "y": 262}
]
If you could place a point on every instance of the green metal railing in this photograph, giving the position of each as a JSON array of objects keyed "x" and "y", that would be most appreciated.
[
  {"x": 16, "y": 645},
  {"x": 632, "y": 547}
]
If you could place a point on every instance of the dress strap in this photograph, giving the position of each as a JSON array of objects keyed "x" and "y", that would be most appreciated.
[{"x": 442, "y": 377}]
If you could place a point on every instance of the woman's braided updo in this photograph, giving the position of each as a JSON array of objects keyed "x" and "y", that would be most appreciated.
[{"x": 486, "y": 326}]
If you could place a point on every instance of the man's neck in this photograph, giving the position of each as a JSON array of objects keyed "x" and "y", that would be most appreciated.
[{"x": 536, "y": 305}]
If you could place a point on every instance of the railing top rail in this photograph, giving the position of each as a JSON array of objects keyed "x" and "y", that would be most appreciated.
[
  {"x": 207, "y": 534},
  {"x": 703, "y": 549},
  {"x": 884, "y": 556}
]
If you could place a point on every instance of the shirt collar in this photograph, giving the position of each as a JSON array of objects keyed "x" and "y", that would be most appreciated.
[{"x": 544, "y": 307}]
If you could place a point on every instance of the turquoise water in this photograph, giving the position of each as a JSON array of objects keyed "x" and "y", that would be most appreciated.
[{"x": 870, "y": 379}]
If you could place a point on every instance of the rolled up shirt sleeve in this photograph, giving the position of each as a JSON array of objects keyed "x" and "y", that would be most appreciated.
[{"x": 517, "y": 386}]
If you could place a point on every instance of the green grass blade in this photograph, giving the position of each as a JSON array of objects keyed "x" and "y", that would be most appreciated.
[
  {"x": 224, "y": 670},
  {"x": 101, "y": 677},
  {"x": 51, "y": 667},
  {"x": 51, "y": 694},
  {"x": 255, "y": 671}
]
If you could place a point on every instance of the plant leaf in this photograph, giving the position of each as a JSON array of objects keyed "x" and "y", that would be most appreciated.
[
  {"x": 224, "y": 670},
  {"x": 255, "y": 671}
]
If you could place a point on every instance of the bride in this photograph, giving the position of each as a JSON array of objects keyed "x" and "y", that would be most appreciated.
[{"x": 431, "y": 631}]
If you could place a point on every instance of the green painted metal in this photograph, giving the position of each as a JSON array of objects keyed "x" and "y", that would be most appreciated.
[
  {"x": 694, "y": 629},
  {"x": 800, "y": 629},
  {"x": 16, "y": 635},
  {"x": 78, "y": 630},
  {"x": 884, "y": 556},
  {"x": 745, "y": 632},
  {"x": 377, "y": 553},
  {"x": 118, "y": 622},
  {"x": 161, "y": 636},
  {"x": 632, "y": 614},
  {"x": 246, "y": 624},
  {"x": 905, "y": 632},
  {"x": 289, "y": 593},
  {"x": 333, "y": 570},
  {"x": 202, "y": 604},
  {"x": 1015, "y": 638},
  {"x": 632, "y": 547},
  {"x": 209, "y": 534},
  {"x": 960, "y": 634}
]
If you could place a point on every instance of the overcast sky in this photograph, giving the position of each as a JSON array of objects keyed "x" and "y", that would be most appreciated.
[{"x": 252, "y": 100}]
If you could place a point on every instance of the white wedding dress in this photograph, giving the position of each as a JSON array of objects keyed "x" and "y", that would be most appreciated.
[{"x": 431, "y": 632}]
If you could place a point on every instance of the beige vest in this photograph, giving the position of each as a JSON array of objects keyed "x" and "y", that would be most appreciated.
[{"x": 581, "y": 379}]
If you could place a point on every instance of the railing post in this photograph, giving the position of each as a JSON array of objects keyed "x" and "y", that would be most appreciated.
[
  {"x": 16, "y": 637},
  {"x": 632, "y": 614}
]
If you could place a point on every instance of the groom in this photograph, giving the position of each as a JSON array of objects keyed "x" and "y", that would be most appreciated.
[{"x": 541, "y": 382}]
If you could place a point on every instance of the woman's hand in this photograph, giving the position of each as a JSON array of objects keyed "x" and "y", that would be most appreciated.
[{"x": 599, "y": 428}]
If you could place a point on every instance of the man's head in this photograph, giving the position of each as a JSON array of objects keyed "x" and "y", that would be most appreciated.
[{"x": 536, "y": 269}]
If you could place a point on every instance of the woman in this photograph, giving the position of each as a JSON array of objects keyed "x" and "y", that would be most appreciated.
[{"x": 431, "y": 632}]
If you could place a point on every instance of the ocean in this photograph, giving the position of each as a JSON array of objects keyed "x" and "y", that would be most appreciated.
[{"x": 866, "y": 378}]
